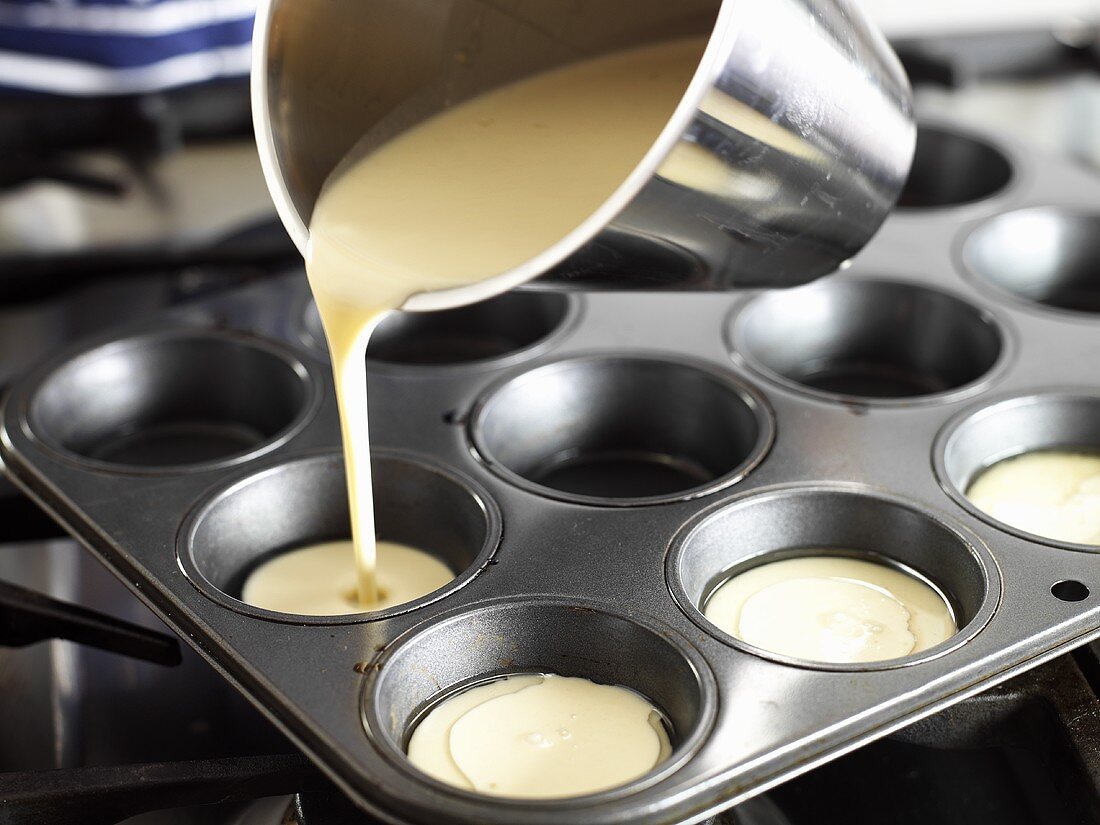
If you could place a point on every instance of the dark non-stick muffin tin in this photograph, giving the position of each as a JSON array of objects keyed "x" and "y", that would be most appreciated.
[{"x": 592, "y": 465}]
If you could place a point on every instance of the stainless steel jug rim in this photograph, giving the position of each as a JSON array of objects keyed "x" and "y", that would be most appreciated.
[{"x": 719, "y": 45}]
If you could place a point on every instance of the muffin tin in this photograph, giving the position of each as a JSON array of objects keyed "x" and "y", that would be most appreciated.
[{"x": 591, "y": 465}]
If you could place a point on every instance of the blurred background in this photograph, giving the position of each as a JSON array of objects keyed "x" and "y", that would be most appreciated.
[
  {"x": 125, "y": 131},
  {"x": 128, "y": 172}
]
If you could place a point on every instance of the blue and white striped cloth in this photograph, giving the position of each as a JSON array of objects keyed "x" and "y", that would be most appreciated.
[{"x": 114, "y": 47}]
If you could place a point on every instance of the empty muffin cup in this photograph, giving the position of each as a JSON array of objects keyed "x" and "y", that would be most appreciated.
[
  {"x": 538, "y": 635},
  {"x": 1044, "y": 255},
  {"x": 951, "y": 168},
  {"x": 304, "y": 502},
  {"x": 619, "y": 259},
  {"x": 873, "y": 341},
  {"x": 835, "y": 522},
  {"x": 622, "y": 430},
  {"x": 501, "y": 326},
  {"x": 1057, "y": 421},
  {"x": 172, "y": 400}
]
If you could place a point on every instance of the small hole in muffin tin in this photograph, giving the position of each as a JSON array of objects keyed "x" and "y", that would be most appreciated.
[
  {"x": 1043, "y": 255},
  {"x": 304, "y": 501},
  {"x": 495, "y": 328},
  {"x": 1069, "y": 590},
  {"x": 877, "y": 341},
  {"x": 178, "y": 399},
  {"x": 1044, "y": 421},
  {"x": 539, "y": 635},
  {"x": 620, "y": 430},
  {"x": 951, "y": 169},
  {"x": 792, "y": 522}
]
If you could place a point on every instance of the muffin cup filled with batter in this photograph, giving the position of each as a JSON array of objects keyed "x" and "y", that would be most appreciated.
[
  {"x": 1029, "y": 464},
  {"x": 833, "y": 577},
  {"x": 565, "y": 701},
  {"x": 828, "y": 607},
  {"x": 275, "y": 543}
]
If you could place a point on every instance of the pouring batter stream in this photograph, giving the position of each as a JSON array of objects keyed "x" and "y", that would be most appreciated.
[{"x": 467, "y": 195}]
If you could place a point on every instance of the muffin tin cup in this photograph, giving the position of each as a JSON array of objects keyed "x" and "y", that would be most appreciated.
[
  {"x": 504, "y": 329},
  {"x": 870, "y": 341},
  {"x": 984, "y": 434},
  {"x": 1043, "y": 258},
  {"x": 537, "y": 634},
  {"x": 304, "y": 501},
  {"x": 642, "y": 429},
  {"x": 955, "y": 168},
  {"x": 538, "y": 473},
  {"x": 834, "y": 520},
  {"x": 172, "y": 401}
]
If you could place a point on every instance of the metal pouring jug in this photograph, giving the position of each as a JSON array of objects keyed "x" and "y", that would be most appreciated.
[{"x": 803, "y": 110}]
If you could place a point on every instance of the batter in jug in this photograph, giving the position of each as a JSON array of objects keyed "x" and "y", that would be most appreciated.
[{"x": 467, "y": 195}]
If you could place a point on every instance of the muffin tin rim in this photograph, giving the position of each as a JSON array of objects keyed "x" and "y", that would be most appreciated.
[{"x": 986, "y": 561}]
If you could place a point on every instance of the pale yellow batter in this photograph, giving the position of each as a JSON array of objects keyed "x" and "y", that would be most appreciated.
[
  {"x": 320, "y": 580},
  {"x": 467, "y": 195},
  {"x": 1053, "y": 494},
  {"x": 540, "y": 737},
  {"x": 831, "y": 609}
]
